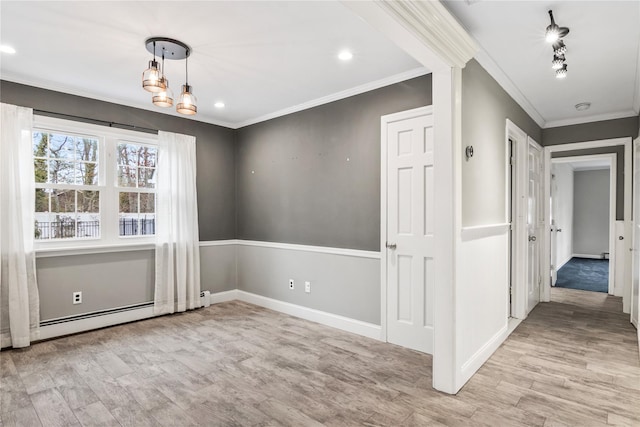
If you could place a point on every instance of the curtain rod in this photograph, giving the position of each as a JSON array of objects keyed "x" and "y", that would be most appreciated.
[{"x": 96, "y": 121}]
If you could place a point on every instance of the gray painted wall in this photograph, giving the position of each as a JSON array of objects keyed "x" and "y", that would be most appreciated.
[
  {"x": 114, "y": 280},
  {"x": 106, "y": 281},
  {"x": 118, "y": 279},
  {"x": 313, "y": 177},
  {"x": 214, "y": 147},
  {"x": 619, "y": 151},
  {"x": 342, "y": 285},
  {"x": 485, "y": 108},
  {"x": 593, "y": 131},
  {"x": 591, "y": 212}
]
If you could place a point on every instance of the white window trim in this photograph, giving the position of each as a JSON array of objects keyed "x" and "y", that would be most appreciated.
[{"x": 109, "y": 239}]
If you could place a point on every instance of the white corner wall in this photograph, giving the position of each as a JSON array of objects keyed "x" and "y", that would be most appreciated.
[{"x": 483, "y": 296}]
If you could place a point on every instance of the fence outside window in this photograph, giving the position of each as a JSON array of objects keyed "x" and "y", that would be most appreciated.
[{"x": 65, "y": 229}]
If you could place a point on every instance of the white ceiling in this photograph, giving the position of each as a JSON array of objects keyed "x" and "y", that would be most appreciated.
[
  {"x": 262, "y": 59},
  {"x": 268, "y": 58},
  {"x": 602, "y": 55}
]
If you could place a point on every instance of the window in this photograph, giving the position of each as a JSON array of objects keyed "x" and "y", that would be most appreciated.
[
  {"x": 94, "y": 185},
  {"x": 136, "y": 188}
]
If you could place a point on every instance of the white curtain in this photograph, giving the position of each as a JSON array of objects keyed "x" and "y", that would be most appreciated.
[
  {"x": 177, "y": 241},
  {"x": 19, "y": 301}
]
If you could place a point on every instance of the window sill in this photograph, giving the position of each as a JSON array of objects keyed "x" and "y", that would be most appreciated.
[{"x": 88, "y": 250}]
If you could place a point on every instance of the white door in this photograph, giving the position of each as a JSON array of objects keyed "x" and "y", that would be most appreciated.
[
  {"x": 635, "y": 284},
  {"x": 409, "y": 237},
  {"x": 534, "y": 224},
  {"x": 554, "y": 230}
]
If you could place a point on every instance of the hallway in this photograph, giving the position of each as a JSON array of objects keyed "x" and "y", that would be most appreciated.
[{"x": 573, "y": 360}]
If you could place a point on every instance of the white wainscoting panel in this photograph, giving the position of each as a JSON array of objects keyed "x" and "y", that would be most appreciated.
[{"x": 483, "y": 303}]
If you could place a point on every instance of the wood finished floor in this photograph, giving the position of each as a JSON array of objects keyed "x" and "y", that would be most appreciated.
[{"x": 572, "y": 362}]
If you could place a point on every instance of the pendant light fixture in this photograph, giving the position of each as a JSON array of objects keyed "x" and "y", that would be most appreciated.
[
  {"x": 187, "y": 102},
  {"x": 165, "y": 97},
  {"x": 151, "y": 77},
  {"x": 155, "y": 79}
]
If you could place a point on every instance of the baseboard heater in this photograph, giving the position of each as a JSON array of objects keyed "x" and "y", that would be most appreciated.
[
  {"x": 205, "y": 301},
  {"x": 95, "y": 314}
]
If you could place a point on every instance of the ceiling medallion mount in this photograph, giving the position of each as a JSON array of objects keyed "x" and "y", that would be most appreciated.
[
  {"x": 155, "y": 81},
  {"x": 173, "y": 49}
]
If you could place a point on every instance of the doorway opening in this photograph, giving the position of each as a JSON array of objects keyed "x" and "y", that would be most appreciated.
[{"x": 583, "y": 214}]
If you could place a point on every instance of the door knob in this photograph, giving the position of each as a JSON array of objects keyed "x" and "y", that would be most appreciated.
[
  {"x": 532, "y": 238},
  {"x": 558, "y": 230},
  {"x": 391, "y": 246}
]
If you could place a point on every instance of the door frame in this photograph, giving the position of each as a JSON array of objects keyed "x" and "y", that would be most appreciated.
[
  {"x": 611, "y": 158},
  {"x": 604, "y": 143},
  {"x": 635, "y": 302},
  {"x": 517, "y": 193},
  {"x": 384, "y": 145}
]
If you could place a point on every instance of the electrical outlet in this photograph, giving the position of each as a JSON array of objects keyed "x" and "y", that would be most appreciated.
[
  {"x": 77, "y": 297},
  {"x": 291, "y": 284},
  {"x": 307, "y": 287}
]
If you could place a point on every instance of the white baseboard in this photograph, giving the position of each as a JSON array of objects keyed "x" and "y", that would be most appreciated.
[
  {"x": 347, "y": 324},
  {"x": 224, "y": 296},
  {"x": 560, "y": 265},
  {"x": 474, "y": 363},
  {"x": 335, "y": 321},
  {"x": 590, "y": 256}
]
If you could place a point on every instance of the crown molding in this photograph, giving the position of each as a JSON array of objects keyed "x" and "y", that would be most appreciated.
[
  {"x": 416, "y": 72},
  {"x": 425, "y": 30},
  {"x": 377, "y": 84},
  {"x": 434, "y": 26},
  {"x": 74, "y": 91},
  {"x": 590, "y": 119},
  {"x": 494, "y": 70}
]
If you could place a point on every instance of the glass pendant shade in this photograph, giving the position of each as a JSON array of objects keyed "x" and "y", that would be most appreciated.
[
  {"x": 152, "y": 80},
  {"x": 187, "y": 104},
  {"x": 164, "y": 98}
]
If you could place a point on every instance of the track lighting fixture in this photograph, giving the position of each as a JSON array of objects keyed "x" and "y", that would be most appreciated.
[
  {"x": 554, "y": 34},
  {"x": 154, "y": 78}
]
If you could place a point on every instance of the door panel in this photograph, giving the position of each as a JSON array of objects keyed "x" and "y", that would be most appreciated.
[
  {"x": 410, "y": 219},
  {"x": 535, "y": 220}
]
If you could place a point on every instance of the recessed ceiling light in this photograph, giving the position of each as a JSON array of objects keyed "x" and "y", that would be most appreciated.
[
  {"x": 219, "y": 105},
  {"x": 583, "y": 106},
  {"x": 345, "y": 55},
  {"x": 7, "y": 49}
]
